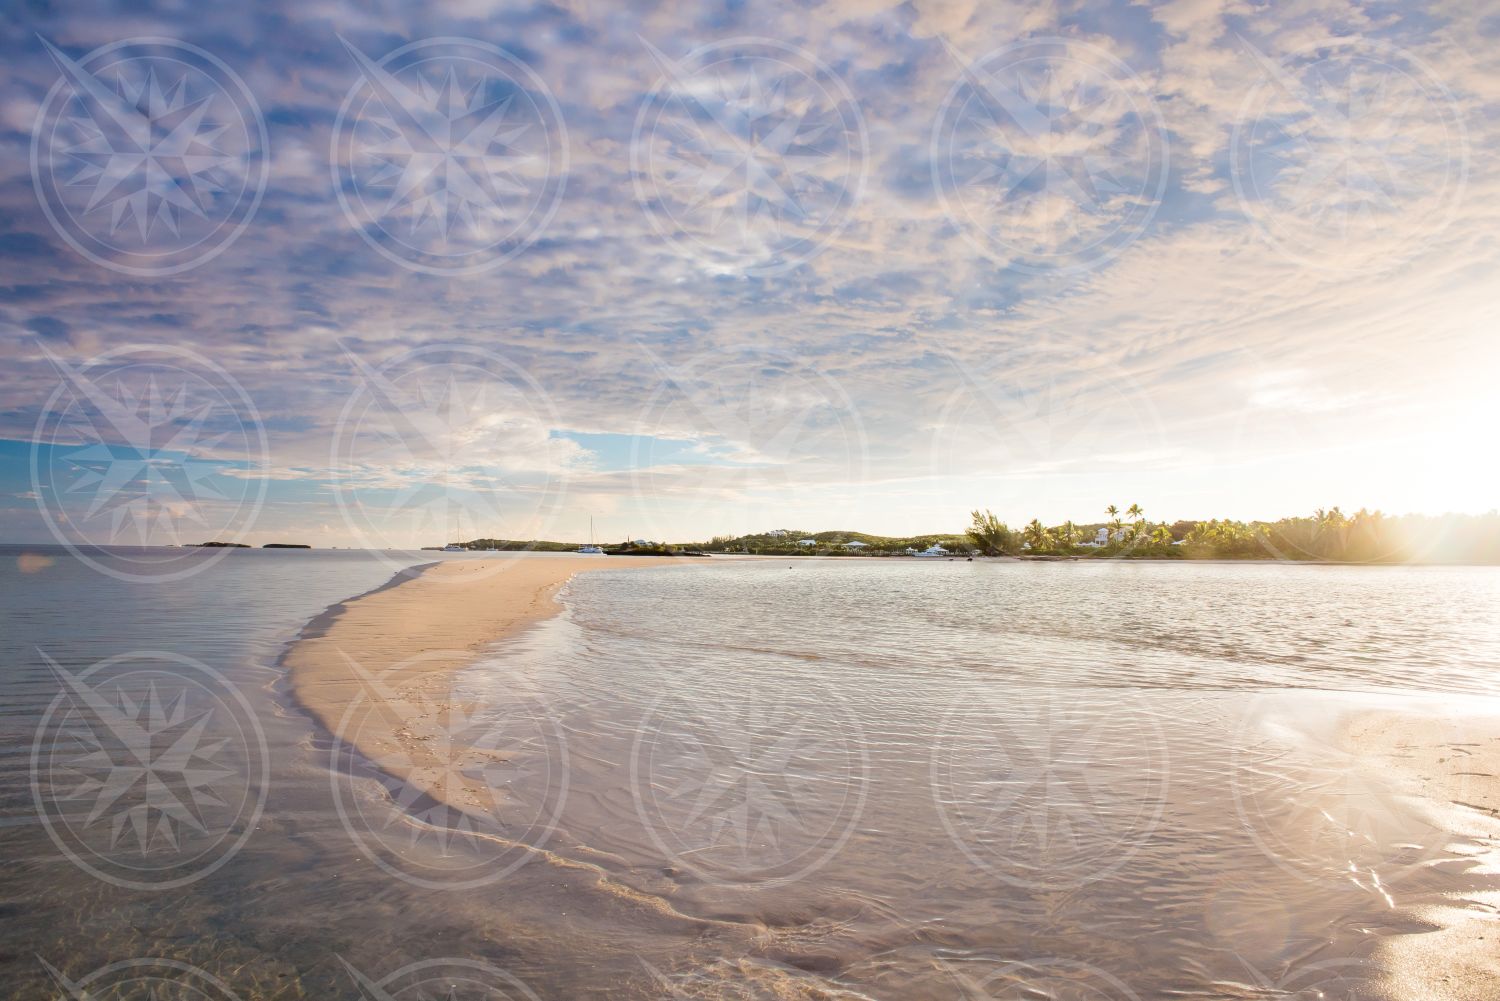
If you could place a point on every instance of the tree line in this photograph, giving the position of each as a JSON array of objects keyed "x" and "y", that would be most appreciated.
[{"x": 1327, "y": 534}]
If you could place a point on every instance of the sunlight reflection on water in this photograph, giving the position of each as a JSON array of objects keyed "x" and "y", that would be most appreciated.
[{"x": 849, "y": 780}]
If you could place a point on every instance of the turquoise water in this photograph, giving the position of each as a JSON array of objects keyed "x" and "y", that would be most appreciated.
[{"x": 872, "y": 779}]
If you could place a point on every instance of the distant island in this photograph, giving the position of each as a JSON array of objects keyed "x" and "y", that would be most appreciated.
[
  {"x": 638, "y": 547},
  {"x": 243, "y": 545},
  {"x": 1327, "y": 535}
]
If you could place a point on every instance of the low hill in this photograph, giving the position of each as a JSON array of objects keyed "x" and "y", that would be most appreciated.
[
  {"x": 833, "y": 542},
  {"x": 827, "y": 543}
]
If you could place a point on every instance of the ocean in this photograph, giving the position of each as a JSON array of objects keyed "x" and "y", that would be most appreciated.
[{"x": 744, "y": 779}]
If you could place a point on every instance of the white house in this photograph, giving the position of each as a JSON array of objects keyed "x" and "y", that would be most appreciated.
[
  {"x": 807, "y": 542},
  {"x": 856, "y": 544},
  {"x": 1101, "y": 537},
  {"x": 778, "y": 533}
]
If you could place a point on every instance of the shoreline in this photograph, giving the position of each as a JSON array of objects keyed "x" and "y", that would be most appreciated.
[
  {"x": 1451, "y": 758},
  {"x": 374, "y": 670},
  {"x": 1448, "y": 763}
]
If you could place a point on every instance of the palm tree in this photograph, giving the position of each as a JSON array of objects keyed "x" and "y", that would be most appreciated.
[
  {"x": 1037, "y": 535},
  {"x": 1134, "y": 512},
  {"x": 989, "y": 533},
  {"x": 1162, "y": 536},
  {"x": 1332, "y": 533},
  {"x": 1070, "y": 534},
  {"x": 1112, "y": 511}
]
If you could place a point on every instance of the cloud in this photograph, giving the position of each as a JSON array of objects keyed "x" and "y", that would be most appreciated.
[{"x": 1256, "y": 288}]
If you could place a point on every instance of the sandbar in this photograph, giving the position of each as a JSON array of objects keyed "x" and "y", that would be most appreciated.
[{"x": 376, "y": 670}]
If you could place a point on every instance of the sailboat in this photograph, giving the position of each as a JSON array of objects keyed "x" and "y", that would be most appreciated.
[
  {"x": 454, "y": 547},
  {"x": 591, "y": 549}
]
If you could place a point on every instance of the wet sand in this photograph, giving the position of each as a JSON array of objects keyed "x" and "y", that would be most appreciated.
[
  {"x": 1450, "y": 758},
  {"x": 1449, "y": 763},
  {"x": 376, "y": 670}
]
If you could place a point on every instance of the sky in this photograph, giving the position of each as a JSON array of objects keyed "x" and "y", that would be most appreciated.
[{"x": 389, "y": 275}]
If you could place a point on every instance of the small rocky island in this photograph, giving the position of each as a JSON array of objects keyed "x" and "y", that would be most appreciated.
[{"x": 243, "y": 545}]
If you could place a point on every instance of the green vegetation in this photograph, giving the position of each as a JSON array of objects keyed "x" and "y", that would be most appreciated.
[
  {"x": 1363, "y": 537},
  {"x": 1327, "y": 535},
  {"x": 788, "y": 542},
  {"x": 990, "y": 535},
  {"x": 515, "y": 546},
  {"x": 779, "y": 543}
]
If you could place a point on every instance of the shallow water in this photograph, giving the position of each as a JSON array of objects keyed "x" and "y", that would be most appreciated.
[{"x": 873, "y": 779}]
